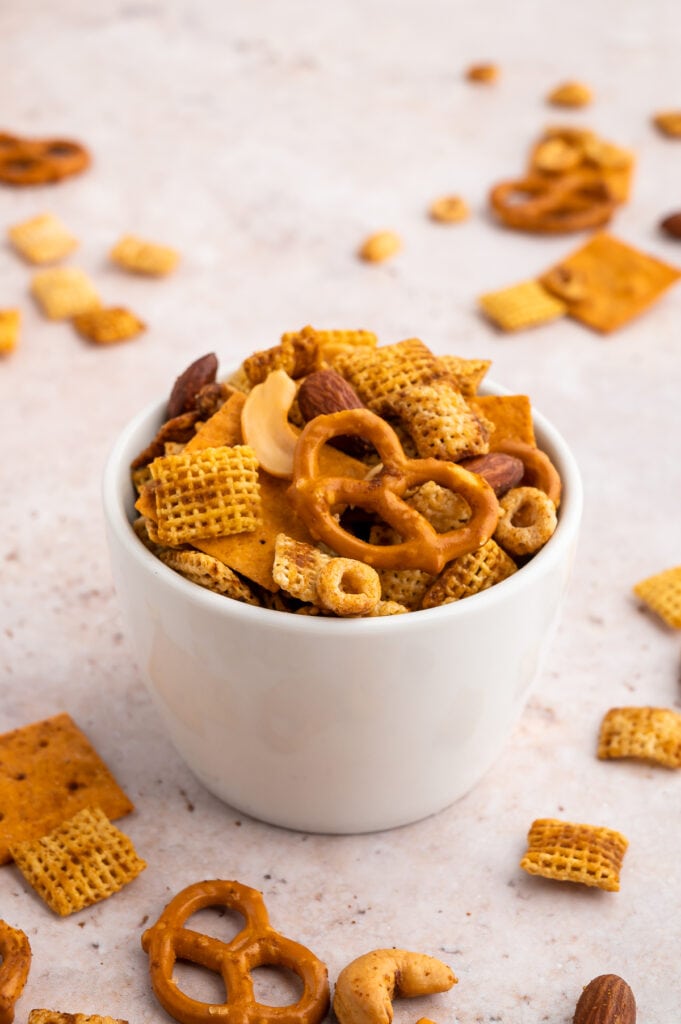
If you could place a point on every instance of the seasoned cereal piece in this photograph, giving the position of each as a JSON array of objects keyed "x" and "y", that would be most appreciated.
[
  {"x": 42, "y": 239},
  {"x": 41, "y": 1016},
  {"x": 208, "y": 572},
  {"x": 643, "y": 733},
  {"x": 440, "y": 422},
  {"x": 208, "y": 493},
  {"x": 527, "y": 520},
  {"x": 662, "y": 594},
  {"x": 297, "y": 566},
  {"x": 142, "y": 257},
  {"x": 467, "y": 374},
  {"x": 669, "y": 123},
  {"x": 451, "y": 209},
  {"x": 570, "y": 94},
  {"x": 107, "y": 326},
  {"x": 469, "y": 574},
  {"x": 296, "y": 354},
  {"x": 404, "y": 586},
  {"x": 84, "y": 860},
  {"x": 587, "y": 854},
  {"x": 379, "y": 247},
  {"x": 444, "y": 509},
  {"x": 10, "y": 320},
  {"x": 348, "y": 588},
  {"x": 64, "y": 292},
  {"x": 380, "y": 375},
  {"x": 522, "y": 305}
]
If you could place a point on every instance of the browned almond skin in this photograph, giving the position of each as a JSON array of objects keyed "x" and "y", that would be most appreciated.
[
  {"x": 502, "y": 472},
  {"x": 325, "y": 391},
  {"x": 185, "y": 389},
  {"x": 606, "y": 1000},
  {"x": 671, "y": 225}
]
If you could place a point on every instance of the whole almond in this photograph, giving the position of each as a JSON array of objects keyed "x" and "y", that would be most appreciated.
[
  {"x": 606, "y": 1000},
  {"x": 185, "y": 389},
  {"x": 672, "y": 225},
  {"x": 325, "y": 391},
  {"x": 502, "y": 472}
]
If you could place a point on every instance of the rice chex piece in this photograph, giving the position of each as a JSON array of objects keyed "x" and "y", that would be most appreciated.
[
  {"x": 440, "y": 421},
  {"x": 42, "y": 239},
  {"x": 209, "y": 572},
  {"x": 444, "y": 509},
  {"x": 469, "y": 574},
  {"x": 84, "y": 860},
  {"x": 296, "y": 354},
  {"x": 588, "y": 854},
  {"x": 40, "y": 1016},
  {"x": 380, "y": 375},
  {"x": 10, "y": 320},
  {"x": 64, "y": 292},
  {"x": 643, "y": 733},
  {"x": 108, "y": 325},
  {"x": 404, "y": 586},
  {"x": 143, "y": 257},
  {"x": 49, "y": 770},
  {"x": 527, "y": 304},
  {"x": 212, "y": 492},
  {"x": 662, "y": 594},
  {"x": 296, "y": 567},
  {"x": 466, "y": 373}
]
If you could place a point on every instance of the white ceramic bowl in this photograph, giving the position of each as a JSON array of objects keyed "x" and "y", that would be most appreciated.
[{"x": 331, "y": 725}]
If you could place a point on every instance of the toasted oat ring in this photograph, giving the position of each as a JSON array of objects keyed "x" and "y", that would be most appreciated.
[
  {"x": 572, "y": 202},
  {"x": 15, "y": 962},
  {"x": 527, "y": 521},
  {"x": 256, "y": 945},
  {"x": 540, "y": 472},
  {"x": 348, "y": 587},
  {"x": 39, "y": 161},
  {"x": 317, "y": 497}
]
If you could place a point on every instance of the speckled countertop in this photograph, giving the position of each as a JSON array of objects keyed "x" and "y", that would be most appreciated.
[{"x": 264, "y": 140}]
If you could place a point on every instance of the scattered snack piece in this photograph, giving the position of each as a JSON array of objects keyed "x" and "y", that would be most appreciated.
[
  {"x": 588, "y": 854},
  {"x": 84, "y": 860},
  {"x": 617, "y": 282},
  {"x": 449, "y": 210},
  {"x": 527, "y": 304},
  {"x": 570, "y": 94},
  {"x": 10, "y": 321},
  {"x": 485, "y": 73},
  {"x": 56, "y": 1017},
  {"x": 607, "y": 999},
  {"x": 15, "y": 963},
  {"x": 380, "y": 247},
  {"x": 669, "y": 123},
  {"x": 208, "y": 572},
  {"x": 647, "y": 734},
  {"x": 256, "y": 943},
  {"x": 39, "y": 161},
  {"x": 142, "y": 257},
  {"x": 209, "y": 493},
  {"x": 671, "y": 225},
  {"x": 42, "y": 239},
  {"x": 565, "y": 150},
  {"x": 662, "y": 594},
  {"x": 527, "y": 520},
  {"x": 64, "y": 292},
  {"x": 48, "y": 771},
  {"x": 366, "y": 987},
  {"x": 106, "y": 326}
]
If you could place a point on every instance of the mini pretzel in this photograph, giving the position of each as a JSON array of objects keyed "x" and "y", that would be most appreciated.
[
  {"x": 256, "y": 945},
  {"x": 539, "y": 470},
  {"x": 39, "y": 161},
  {"x": 15, "y": 961},
  {"x": 316, "y": 498},
  {"x": 573, "y": 202}
]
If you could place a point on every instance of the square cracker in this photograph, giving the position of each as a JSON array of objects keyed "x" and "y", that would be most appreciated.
[
  {"x": 646, "y": 734},
  {"x": 588, "y": 854},
  {"x": 509, "y": 415},
  {"x": 616, "y": 282},
  {"x": 40, "y": 1016},
  {"x": 42, "y": 239},
  {"x": 48, "y": 771},
  {"x": 662, "y": 594},
  {"x": 108, "y": 325},
  {"x": 64, "y": 292},
  {"x": 84, "y": 860},
  {"x": 144, "y": 257},
  {"x": 527, "y": 304}
]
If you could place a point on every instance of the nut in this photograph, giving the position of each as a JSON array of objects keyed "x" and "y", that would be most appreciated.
[
  {"x": 502, "y": 472},
  {"x": 606, "y": 1000},
  {"x": 326, "y": 391},
  {"x": 380, "y": 246},
  {"x": 449, "y": 210},
  {"x": 570, "y": 94},
  {"x": 265, "y": 425},
  {"x": 672, "y": 225},
  {"x": 185, "y": 389},
  {"x": 486, "y": 73},
  {"x": 365, "y": 987}
]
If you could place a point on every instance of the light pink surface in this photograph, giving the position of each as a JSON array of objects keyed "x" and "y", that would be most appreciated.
[{"x": 265, "y": 141}]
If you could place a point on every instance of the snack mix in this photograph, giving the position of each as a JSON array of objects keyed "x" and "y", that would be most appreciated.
[{"x": 334, "y": 476}]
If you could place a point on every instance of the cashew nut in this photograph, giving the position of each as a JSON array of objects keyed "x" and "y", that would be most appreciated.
[
  {"x": 265, "y": 426},
  {"x": 365, "y": 988}
]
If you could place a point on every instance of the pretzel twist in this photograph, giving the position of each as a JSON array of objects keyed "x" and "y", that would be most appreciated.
[
  {"x": 539, "y": 470},
  {"x": 317, "y": 497},
  {"x": 15, "y": 962},
  {"x": 256, "y": 945},
  {"x": 572, "y": 202},
  {"x": 39, "y": 161}
]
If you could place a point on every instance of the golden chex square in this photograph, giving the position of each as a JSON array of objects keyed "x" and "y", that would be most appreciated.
[
  {"x": 64, "y": 292},
  {"x": 108, "y": 325},
  {"x": 645, "y": 733},
  {"x": 42, "y": 239},
  {"x": 662, "y": 594},
  {"x": 143, "y": 257},
  {"x": 527, "y": 304},
  {"x": 10, "y": 320},
  {"x": 567, "y": 852}
]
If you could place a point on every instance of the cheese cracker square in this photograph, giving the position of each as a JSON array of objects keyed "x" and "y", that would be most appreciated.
[
  {"x": 647, "y": 734},
  {"x": 10, "y": 321},
  {"x": 64, "y": 292},
  {"x": 527, "y": 304},
  {"x": 144, "y": 257},
  {"x": 84, "y": 860},
  {"x": 588, "y": 854},
  {"x": 48, "y": 772},
  {"x": 42, "y": 239},
  {"x": 662, "y": 594}
]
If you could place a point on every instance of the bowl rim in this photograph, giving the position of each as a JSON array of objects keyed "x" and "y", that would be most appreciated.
[{"x": 117, "y": 494}]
